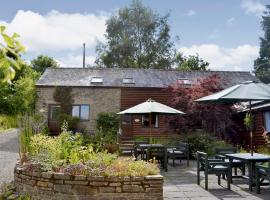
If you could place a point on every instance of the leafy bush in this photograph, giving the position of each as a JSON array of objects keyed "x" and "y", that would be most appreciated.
[
  {"x": 8, "y": 191},
  {"x": 72, "y": 122},
  {"x": 263, "y": 150},
  {"x": 108, "y": 121},
  {"x": 166, "y": 141},
  {"x": 203, "y": 142},
  {"x": 106, "y": 132},
  {"x": 8, "y": 121}
]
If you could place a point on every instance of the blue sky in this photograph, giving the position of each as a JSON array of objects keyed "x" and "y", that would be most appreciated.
[{"x": 225, "y": 33}]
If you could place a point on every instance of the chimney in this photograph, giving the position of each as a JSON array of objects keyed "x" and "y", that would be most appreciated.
[{"x": 83, "y": 55}]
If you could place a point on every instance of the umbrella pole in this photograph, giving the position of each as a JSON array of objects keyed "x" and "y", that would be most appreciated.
[
  {"x": 251, "y": 133},
  {"x": 150, "y": 127}
]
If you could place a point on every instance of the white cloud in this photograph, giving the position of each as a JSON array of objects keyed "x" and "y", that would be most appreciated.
[
  {"x": 191, "y": 13},
  {"x": 253, "y": 7},
  {"x": 75, "y": 60},
  {"x": 57, "y": 31},
  {"x": 221, "y": 58},
  {"x": 230, "y": 21}
]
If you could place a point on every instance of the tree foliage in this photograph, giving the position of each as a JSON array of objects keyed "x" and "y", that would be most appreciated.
[
  {"x": 42, "y": 62},
  {"x": 19, "y": 96},
  {"x": 10, "y": 60},
  {"x": 211, "y": 117},
  {"x": 137, "y": 37},
  {"x": 190, "y": 63},
  {"x": 262, "y": 63}
]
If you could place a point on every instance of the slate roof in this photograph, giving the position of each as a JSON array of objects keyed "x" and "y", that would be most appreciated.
[{"x": 142, "y": 77}]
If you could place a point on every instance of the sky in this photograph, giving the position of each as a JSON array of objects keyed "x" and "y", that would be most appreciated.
[{"x": 223, "y": 32}]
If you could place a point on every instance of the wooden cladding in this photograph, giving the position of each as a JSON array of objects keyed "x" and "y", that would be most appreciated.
[
  {"x": 133, "y": 96},
  {"x": 258, "y": 139}
]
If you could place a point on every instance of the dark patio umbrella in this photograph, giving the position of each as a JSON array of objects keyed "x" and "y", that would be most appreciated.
[
  {"x": 150, "y": 107},
  {"x": 244, "y": 92}
]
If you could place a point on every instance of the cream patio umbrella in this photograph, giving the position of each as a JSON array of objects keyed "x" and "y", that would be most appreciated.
[{"x": 151, "y": 107}]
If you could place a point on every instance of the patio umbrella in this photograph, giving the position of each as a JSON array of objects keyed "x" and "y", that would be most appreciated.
[
  {"x": 245, "y": 92},
  {"x": 150, "y": 107}
]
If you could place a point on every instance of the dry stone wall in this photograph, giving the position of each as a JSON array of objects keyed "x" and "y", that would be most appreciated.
[{"x": 59, "y": 186}]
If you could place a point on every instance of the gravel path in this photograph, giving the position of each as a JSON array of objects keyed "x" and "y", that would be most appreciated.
[{"x": 9, "y": 147}]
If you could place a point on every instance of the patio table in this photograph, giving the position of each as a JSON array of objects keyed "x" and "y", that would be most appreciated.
[
  {"x": 144, "y": 147},
  {"x": 250, "y": 161}
]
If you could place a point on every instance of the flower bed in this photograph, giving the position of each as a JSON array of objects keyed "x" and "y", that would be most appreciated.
[
  {"x": 68, "y": 167},
  {"x": 55, "y": 186}
]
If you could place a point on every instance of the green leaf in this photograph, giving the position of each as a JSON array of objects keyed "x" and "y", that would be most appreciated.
[{"x": 2, "y": 28}]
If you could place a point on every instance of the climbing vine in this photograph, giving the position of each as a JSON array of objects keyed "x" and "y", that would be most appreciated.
[{"x": 63, "y": 95}]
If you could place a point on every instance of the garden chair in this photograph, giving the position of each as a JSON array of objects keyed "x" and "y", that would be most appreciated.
[
  {"x": 212, "y": 166},
  {"x": 179, "y": 152},
  {"x": 262, "y": 172},
  {"x": 236, "y": 164},
  {"x": 139, "y": 151},
  {"x": 158, "y": 153}
]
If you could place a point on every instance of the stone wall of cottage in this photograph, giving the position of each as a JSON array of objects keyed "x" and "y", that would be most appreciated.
[
  {"x": 100, "y": 100},
  {"x": 59, "y": 186}
]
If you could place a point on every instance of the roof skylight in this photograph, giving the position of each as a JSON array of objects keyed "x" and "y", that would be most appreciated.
[
  {"x": 184, "y": 81},
  {"x": 128, "y": 81},
  {"x": 97, "y": 80}
]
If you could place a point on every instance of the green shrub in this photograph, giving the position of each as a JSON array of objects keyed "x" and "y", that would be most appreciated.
[
  {"x": 8, "y": 121},
  {"x": 108, "y": 122},
  {"x": 217, "y": 143},
  {"x": 198, "y": 142},
  {"x": 263, "y": 150},
  {"x": 166, "y": 141},
  {"x": 73, "y": 122},
  {"x": 8, "y": 191},
  {"x": 203, "y": 142}
]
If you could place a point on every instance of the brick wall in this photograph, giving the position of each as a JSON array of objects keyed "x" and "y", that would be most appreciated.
[
  {"x": 58, "y": 186},
  {"x": 100, "y": 100}
]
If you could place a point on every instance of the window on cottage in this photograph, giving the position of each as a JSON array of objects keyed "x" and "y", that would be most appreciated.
[
  {"x": 126, "y": 119},
  {"x": 146, "y": 119},
  {"x": 84, "y": 112},
  {"x": 81, "y": 111},
  {"x": 267, "y": 121},
  {"x": 76, "y": 111}
]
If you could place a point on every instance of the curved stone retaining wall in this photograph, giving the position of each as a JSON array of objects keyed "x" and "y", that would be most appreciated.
[{"x": 58, "y": 186}]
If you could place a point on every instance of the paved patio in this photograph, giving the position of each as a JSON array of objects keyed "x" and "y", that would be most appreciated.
[{"x": 180, "y": 183}]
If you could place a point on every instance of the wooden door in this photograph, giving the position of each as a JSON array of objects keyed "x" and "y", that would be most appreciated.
[
  {"x": 126, "y": 126},
  {"x": 53, "y": 119}
]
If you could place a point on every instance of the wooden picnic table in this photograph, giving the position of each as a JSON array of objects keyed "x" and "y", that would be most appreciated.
[{"x": 250, "y": 161}]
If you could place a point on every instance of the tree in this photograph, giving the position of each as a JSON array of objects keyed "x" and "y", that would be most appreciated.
[
  {"x": 262, "y": 63},
  {"x": 41, "y": 63},
  {"x": 213, "y": 117},
  {"x": 190, "y": 63},
  {"x": 19, "y": 96},
  {"x": 10, "y": 60},
  {"x": 136, "y": 37}
]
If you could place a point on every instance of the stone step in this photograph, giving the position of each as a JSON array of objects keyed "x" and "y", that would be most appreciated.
[
  {"x": 125, "y": 148},
  {"x": 126, "y": 141},
  {"x": 126, "y": 145}
]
